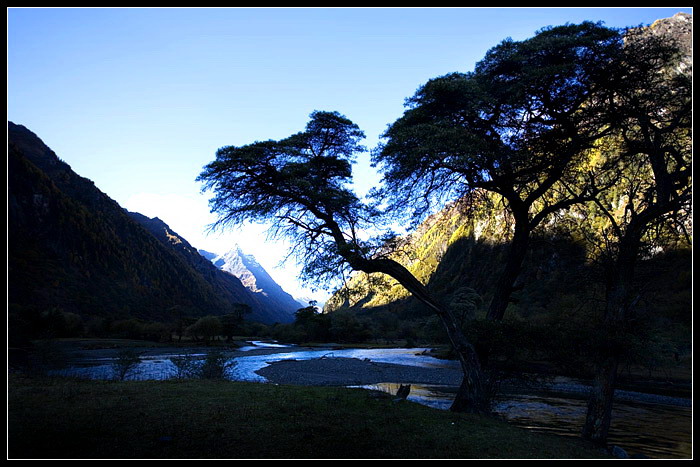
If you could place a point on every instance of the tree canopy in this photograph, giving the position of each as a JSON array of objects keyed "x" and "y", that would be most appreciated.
[
  {"x": 512, "y": 126},
  {"x": 299, "y": 185},
  {"x": 519, "y": 126}
]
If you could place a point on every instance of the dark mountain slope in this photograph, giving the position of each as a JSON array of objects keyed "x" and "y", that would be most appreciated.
[
  {"x": 265, "y": 309},
  {"x": 72, "y": 248}
]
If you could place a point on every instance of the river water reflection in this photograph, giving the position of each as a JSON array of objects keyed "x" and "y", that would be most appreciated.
[
  {"x": 642, "y": 429},
  {"x": 647, "y": 429}
]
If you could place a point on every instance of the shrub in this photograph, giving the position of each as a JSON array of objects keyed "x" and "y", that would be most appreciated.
[
  {"x": 185, "y": 366},
  {"x": 215, "y": 366},
  {"x": 124, "y": 365}
]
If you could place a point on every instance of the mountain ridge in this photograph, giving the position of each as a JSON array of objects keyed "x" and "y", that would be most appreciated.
[
  {"x": 265, "y": 310},
  {"x": 74, "y": 249},
  {"x": 252, "y": 274}
]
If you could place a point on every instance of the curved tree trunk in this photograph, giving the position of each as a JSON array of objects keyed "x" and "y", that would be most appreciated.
[{"x": 471, "y": 396}]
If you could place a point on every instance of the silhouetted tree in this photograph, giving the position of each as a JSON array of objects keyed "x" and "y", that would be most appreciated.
[
  {"x": 300, "y": 186},
  {"x": 215, "y": 365},
  {"x": 651, "y": 202},
  {"x": 313, "y": 324},
  {"x": 231, "y": 322},
  {"x": 305, "y": 315},
  {"x": 125, "y": 363},
  {"x": 208, "y": 327},
  {"x": 517, "y": 126}
]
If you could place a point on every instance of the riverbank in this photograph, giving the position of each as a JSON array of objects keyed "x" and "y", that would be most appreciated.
[
  {"x": 646, "y": 426},
  {"x": 57, "y": 418},
  {"x": 328, "y": 369},
  {"x": 338, "y": 371},
  {"x": 334, "y": 371}
]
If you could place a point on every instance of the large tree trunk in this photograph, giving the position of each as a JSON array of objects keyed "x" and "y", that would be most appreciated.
[
  {"x": 618, "y": 309},
  {"x": 599, "y": 415},
  {"x": 514, "y": 263},
  {"x": 472, "y": 393},
  {"x": 471, "y": 396}
]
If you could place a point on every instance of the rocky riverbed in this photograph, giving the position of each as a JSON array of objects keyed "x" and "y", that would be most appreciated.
[
  {"x": 329, "y": 366},
  {"x": 339, "y": 371}
]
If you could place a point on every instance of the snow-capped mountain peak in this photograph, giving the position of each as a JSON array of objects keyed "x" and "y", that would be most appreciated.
[{"x": 251, "y": 274}]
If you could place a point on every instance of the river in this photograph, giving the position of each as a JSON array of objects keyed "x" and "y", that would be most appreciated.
[{"x": 643, "y": 425}]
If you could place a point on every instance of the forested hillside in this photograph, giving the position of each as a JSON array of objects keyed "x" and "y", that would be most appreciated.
[
  {"x": 263, "y": 308},
  {"x": 460, "y": 251},
  {"x": 75, "y": 256}
]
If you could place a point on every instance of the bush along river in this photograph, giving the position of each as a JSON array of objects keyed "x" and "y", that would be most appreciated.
[{"x": 644, "y": 425}]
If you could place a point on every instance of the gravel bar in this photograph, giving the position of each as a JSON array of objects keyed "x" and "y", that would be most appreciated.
[{"x": 339, "y": 371}]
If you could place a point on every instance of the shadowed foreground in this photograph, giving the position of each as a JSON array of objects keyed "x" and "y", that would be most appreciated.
[{"x": 56, "y": 418}]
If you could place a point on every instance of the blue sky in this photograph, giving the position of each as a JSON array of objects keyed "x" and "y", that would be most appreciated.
[{"x": 138, "y": 100}]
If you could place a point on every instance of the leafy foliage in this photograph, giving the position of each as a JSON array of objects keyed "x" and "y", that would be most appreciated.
[
  {"x": 512, "y": 126},
  {"x": 517, "y": 126},
  {"x": 300, "y": 184}
]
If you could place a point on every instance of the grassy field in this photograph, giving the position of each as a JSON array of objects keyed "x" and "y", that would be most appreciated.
[{"x": 59, "y": 418}]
